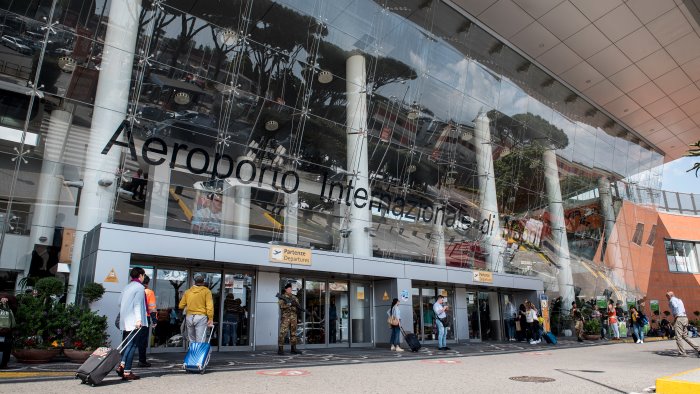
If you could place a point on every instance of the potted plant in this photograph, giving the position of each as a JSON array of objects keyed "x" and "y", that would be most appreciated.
[
  {"x": 591, "y": 329},
  {"x": 40, "y": 321}
]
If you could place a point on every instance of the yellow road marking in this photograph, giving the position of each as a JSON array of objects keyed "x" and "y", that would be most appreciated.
[
  {"x": 18, "y": 375},
  {"x": 670, "y": 385}
]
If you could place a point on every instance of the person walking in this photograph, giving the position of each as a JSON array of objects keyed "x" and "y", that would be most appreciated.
[
  {"x": 143, "y": 334},
  {"x": 441, "y": 314},
  {"x": 637, "y": 324},
  {"x": 132, "y": 316},
  {"x": 533, "y": 323},
  {"x": 612, "y": 321},
  {"x": 680, "y": 324},
  {"x": 577, "y": 316},
  {"x": 8, "y": 310},
  {"x": 200, "y": 309},
  {"x": 288, "y": 304},
  {"x": 234, "y": 314},
  {"x": 509, "y": 320},
  {"x": 394, "y": 321}
]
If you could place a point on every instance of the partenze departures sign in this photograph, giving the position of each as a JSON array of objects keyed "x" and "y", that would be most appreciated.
[{"x": 247, "y": 172}]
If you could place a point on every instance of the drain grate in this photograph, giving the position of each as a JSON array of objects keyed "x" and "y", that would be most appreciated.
[{"x": 531, "y": 379}]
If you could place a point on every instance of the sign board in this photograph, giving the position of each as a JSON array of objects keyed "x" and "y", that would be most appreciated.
[
  {"x": 111, "y": 277},
  {"x": 360, "y": 293},
  {"x": 483, "y": 276},
  {"x": 544, "y": 310},
  {"x": 404, "y": 295},
  {"x": 67, "y": 242},
  {"x": 654, "y": 306},
  {"x": 385, "y": 297},
  {"x": 286, "y": 254},
  {"x": 601, "y": 302}
]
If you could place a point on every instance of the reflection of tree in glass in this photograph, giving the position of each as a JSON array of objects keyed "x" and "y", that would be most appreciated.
[{"x": 519, "y": 173}]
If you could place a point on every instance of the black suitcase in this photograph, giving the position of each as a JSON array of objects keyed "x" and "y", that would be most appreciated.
[
  {"x": 102, "y": 361},
  {"x": 411, "y": 340}
]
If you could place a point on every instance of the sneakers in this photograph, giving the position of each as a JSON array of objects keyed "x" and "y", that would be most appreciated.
[
  {"x": 398, "y": 349},
  {"x": 393, "y": 348},
  {"x": 638, "y": 341},
  {"x": 446, "y": 348}
]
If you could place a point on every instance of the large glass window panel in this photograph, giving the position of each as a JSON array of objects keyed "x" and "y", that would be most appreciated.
[
  {"x": 315, "y": 316},
  {"x": 237, "y": 304},
  {"x": 169, "y": 286},
  {"x": 339, "y": 312}
]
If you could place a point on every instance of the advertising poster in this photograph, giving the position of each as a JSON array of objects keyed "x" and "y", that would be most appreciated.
[{"x": 601, "y": 302}]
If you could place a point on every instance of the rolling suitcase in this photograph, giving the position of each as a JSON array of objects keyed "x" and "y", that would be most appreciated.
[
  {"x": 550, "y": 338},
  {"x": 103, "y": 361},
  {"x": 198, "y": 354},
  {"x": 411, "y": 340}
]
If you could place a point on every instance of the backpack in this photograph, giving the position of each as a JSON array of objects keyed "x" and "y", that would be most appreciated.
[
  {"x": 7, "y": 319},
  {"x": 643, "y": 319}
]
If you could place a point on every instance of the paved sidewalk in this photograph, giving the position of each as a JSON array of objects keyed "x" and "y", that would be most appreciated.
[{"x": 169, "y": 363}]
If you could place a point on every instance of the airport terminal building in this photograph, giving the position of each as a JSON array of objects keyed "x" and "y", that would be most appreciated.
[{"x": 361, "y": 150}]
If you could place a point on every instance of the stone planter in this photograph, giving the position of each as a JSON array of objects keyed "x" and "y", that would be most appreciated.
[
  {"x": 77, "y": 356},
  {"x": 35, "y": 356},
  {"x": 592, "y": 337}
]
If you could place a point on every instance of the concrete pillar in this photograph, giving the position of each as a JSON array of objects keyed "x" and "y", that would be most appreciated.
[
  {"x": 492, "y": 241},
  {"x": 291, "y": 218},
  {"x": 266, "y": 317},
  {"x": 461, "y": 315},
  {"x": 360, "y": 219},
  {"x": 228, "y": 206},
  {"x": 241, "y": 213},
  {"x": 439, "y": 236},
  {"x": 111, "y": 100},
  {"x": 158, "y": 197},
  {"x": 495, "y": 316},
  {"x": 392, "y": 288},
  {"x": 108, "y": 305},
  {"x": 606, "y": 205},
  {"x": 50, "y": 181},
  {"x": 556, "y": 214}
]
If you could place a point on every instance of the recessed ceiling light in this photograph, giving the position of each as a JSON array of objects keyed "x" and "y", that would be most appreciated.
[{"x": 588, "y": 81}]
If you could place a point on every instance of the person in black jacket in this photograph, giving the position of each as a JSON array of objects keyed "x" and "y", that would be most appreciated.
[{"x": 7, "y": 301}]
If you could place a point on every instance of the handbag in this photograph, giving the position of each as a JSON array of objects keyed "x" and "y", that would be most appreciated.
[
  {"x": 393, "y": 320},
  {"x": 517, "y": 326}
]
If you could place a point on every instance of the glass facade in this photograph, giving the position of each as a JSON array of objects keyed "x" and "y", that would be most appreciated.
[{"x": 399, "y": 130}]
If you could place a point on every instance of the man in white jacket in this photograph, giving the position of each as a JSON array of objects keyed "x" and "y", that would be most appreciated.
[{"x": 132, "y": 315}]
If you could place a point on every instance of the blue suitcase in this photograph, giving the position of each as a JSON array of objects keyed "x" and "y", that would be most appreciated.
[
  {"x": 550, "y": 338},
  {"x": 198, "y": 354}
]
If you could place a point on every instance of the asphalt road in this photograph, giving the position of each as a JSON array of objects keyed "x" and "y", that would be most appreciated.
[{"x": 616, "y": 368}]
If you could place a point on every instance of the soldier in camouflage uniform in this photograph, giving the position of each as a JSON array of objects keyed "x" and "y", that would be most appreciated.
[{"x": 288, "y": 320}]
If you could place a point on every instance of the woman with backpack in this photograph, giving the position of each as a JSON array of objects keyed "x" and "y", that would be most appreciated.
[
  {"x": 394, "y": 321},
  {"x": 637, "y": 319}
]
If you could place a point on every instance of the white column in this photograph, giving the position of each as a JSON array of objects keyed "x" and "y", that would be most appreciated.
[
  {"x": 50, "y": 181},
  {"x": 439, "y": 236},
  {"x": 360, "y": 219},
  {"x": 556, "y": 214},
  {"x": 228, "y": 208},
  {"x": 158, "y": 197},
  {"x": 291, "y": 219},
  {"x": 492, "y": 241},
  {"x": 241, "y": 213},
  {"x": 606, "y": 205},
  {"x": 111, "y": 100}
]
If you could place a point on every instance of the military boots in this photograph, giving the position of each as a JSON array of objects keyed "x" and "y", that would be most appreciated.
[
  {"x": 294, "y": 350},
  {"x": 280, "y": 350}
]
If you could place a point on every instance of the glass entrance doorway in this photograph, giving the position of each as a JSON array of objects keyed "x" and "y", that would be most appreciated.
[
  {"x": 232, "y": 296},
  {"x": 337, "y": 312},
  {"x": 484, "y": 316},
  {"x": 424, "y": 325}
]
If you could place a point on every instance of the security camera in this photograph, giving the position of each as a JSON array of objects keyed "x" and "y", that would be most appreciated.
[
  {"x": 78, "y": 184},
  {"x": 105, "y": 182}
]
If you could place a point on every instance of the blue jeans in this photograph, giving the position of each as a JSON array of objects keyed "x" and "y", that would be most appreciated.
[
  {"x": 442, "y": 334},
  {"x": 510, "y": 328},
  {"x": 129, "y": 350},
  {"x": 230, "y": 330},
  {"x": 395, "y": 336},
  {"x": 638, "y": 331}
]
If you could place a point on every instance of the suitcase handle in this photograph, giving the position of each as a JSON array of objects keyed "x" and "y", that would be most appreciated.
[
  {"x": 211, "y": 333},
  {"x": 128, "y": 339}
]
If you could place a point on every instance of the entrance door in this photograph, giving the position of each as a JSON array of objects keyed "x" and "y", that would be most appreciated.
[
  {"x": 236, "y": 310},
  {"x": 213, "y": 281},
  {"x": 423, "y": 316},
  {"x": 315, "y": 327},
  {"x": 169, "y": 285},
  {"x": 338, "y": 313},
  {"x": 489, "y": 316},
  {"x": 473, "y": 316}
]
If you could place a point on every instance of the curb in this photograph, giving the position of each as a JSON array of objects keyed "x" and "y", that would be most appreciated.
[{"x": 674, "y": 384}]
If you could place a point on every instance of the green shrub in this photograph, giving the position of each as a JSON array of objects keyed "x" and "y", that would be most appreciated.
[
  {"x": 50, "y": 286},
  {"x": 592, "y": 327},
  {"x": 93, "y": 292}
]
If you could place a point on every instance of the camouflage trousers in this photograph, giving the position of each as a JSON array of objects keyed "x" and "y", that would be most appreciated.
[{"x": 288, "y": 325}]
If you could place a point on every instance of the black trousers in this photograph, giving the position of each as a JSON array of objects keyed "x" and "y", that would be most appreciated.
[{"x": 6, "y": 348}]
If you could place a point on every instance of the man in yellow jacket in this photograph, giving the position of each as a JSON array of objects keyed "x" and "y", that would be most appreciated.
[{"x": 200, "y": 309}]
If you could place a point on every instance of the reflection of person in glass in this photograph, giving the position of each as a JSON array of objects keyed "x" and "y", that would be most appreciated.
[
  {"x": 233, "y": 316},
  {"x": 288, "y": 320},
  {"x": 333, "y": 321},
  {"x": 207, "y": 217}
]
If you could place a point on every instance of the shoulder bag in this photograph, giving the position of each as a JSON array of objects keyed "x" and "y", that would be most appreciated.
[{"x": 393, "y": 320}]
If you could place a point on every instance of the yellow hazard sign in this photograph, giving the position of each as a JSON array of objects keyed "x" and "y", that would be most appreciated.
[
  {"x": 111, "y": 277},
  {"x": 386, "y": 296}
]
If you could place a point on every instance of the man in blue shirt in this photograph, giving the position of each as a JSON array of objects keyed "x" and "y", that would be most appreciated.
[
  {"x": 680, "y": 324},
  {"x": 440, "y": 314}
]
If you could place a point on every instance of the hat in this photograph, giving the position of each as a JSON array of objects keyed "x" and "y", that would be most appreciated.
[{"x": 199, "y": 278}]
